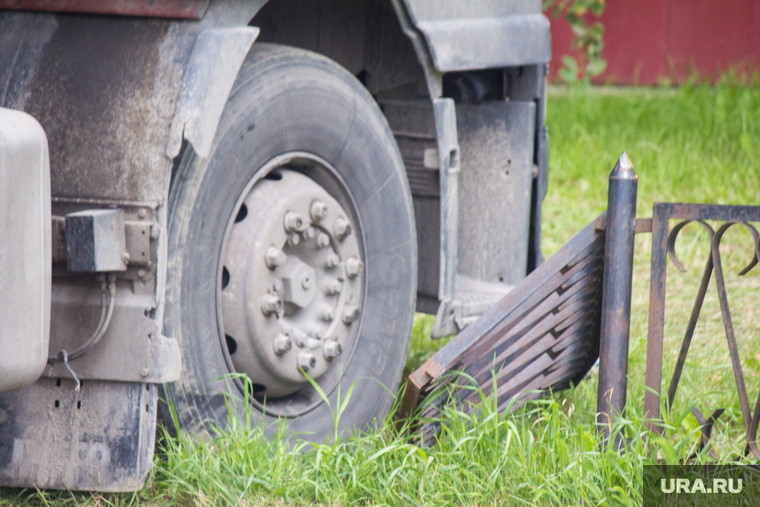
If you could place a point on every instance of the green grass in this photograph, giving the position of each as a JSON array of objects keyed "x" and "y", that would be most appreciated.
[{"x": 695, "y": 144}]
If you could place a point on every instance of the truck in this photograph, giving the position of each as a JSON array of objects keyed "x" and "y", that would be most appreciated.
[{"x": 214, "y": 200}]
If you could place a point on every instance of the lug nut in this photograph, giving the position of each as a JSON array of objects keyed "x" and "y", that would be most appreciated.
[
  {"x": 275, "y": 257},
  {"x": 293, "y": 239},
  {"x": 331, "y": 349},
  {"x": 332, "y": 287},
  {"x": 326, "y": 314},
  {"x": 308, "y": 233},
  {"x": 270, "y": 304},
  {"x": 354, "y": 267},
  {"x": 341, "y": 228},
  {"x": 318, "y": 211},
  {"x": 332, "y": 260},
  {"x": 306, "y": 361},
  {"x": 282, "y": 344},
  {"x": 350, "y": 315},
  {"x": 323, "y": 240},
  {"x": 299, "y": 337},
  {"x": 293, "y": 221}
]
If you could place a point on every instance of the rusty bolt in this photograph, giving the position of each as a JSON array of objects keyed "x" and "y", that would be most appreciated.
[
  {"x": 142, "y": 273},
  {"x": 354, "y": 267},
  {"x": 332, "y": 287},
  {"x": 308, "y": 233},
  {"x": 125, "y": 257},
  {"x": 293, "y": 239},
  {"x": 331, "y": 349},
  {"x": 270, "y": 304},
  {"x": 275, "y": 257},
  {"x": 144, "y": 372},
  {"x": 350, "y": 314},
  {"x": 332, "y": 260},
  {"x": 306, "y": 361},
  {"x": 281, "y": 344},
  {"x": 318, "y": 211},
  {"x": 142, "y": 212},
  {"x": 323, "y": 240},
  {"x": 293, "y": 221},
  {"x": 341, "y": 228}
]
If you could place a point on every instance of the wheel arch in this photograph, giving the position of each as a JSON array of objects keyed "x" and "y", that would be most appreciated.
[{"x": 373, "y": 39}]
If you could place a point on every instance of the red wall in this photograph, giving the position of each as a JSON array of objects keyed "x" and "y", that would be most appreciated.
[{"x": 648, "y": 40}]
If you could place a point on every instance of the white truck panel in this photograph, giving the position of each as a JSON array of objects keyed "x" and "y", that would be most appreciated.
[{"x": 25, "y": 254}]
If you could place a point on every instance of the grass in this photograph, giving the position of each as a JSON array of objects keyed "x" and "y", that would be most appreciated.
[{"x": 695, "y": 144}]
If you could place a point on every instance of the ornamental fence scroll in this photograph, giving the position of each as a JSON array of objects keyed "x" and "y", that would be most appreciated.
[
  {"x": 663, "y": 246},
  {"x": 616, "y": 303}
]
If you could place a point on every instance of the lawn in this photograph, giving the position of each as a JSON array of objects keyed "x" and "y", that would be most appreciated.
[{"x": 695, "y": 144}]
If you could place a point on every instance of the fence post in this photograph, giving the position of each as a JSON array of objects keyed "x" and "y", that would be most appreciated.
[{"x": 616, "y": 295}]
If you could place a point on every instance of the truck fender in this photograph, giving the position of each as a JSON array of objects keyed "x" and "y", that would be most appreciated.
[{"x": 209, "y": 76}]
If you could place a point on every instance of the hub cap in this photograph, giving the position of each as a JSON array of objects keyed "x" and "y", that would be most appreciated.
[{"x": 291, "y": 284}]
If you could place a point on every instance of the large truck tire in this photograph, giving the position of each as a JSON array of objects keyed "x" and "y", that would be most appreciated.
[{"x": 292, "y": 250}]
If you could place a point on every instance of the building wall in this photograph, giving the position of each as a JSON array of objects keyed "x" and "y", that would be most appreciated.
[{"x": 646, "y": 41}]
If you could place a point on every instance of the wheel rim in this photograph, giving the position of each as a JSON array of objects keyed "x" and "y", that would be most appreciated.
[{"x": 291, "y": 289}]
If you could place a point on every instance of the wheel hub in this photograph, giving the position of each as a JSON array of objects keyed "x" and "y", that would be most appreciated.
[{"x": 291, "y": 283}]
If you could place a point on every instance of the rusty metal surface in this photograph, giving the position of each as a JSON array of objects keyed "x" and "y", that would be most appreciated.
[
  {"x": 180, "y": 9},
  {"x": 616, "y": 294},
  {"x": 543, "y": 335},
  {"x": 663, "y": 245}
]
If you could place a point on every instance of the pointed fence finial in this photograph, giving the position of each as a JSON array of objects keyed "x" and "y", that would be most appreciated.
[{"x": 623, "y": 170}]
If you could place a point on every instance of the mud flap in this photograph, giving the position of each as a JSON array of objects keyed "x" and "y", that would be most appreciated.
[{"x": 99, "y": 438}]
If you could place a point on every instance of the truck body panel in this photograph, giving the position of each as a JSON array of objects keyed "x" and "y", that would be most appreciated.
[{"x": 482, "y": 34}]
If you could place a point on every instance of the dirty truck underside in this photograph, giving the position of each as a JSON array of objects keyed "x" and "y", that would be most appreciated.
[{"x": 264, "y": 188}]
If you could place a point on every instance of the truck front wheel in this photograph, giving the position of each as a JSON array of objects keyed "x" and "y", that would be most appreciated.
[{"x": 292, "y": 253}]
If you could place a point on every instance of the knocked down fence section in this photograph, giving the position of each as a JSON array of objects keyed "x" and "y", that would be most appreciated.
[
  {"x": 543, "y": 334},
  {"x": 549, "y": 331}
]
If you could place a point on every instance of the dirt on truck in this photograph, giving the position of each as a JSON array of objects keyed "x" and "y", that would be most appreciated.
[{"x": 208, "y": 197}]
